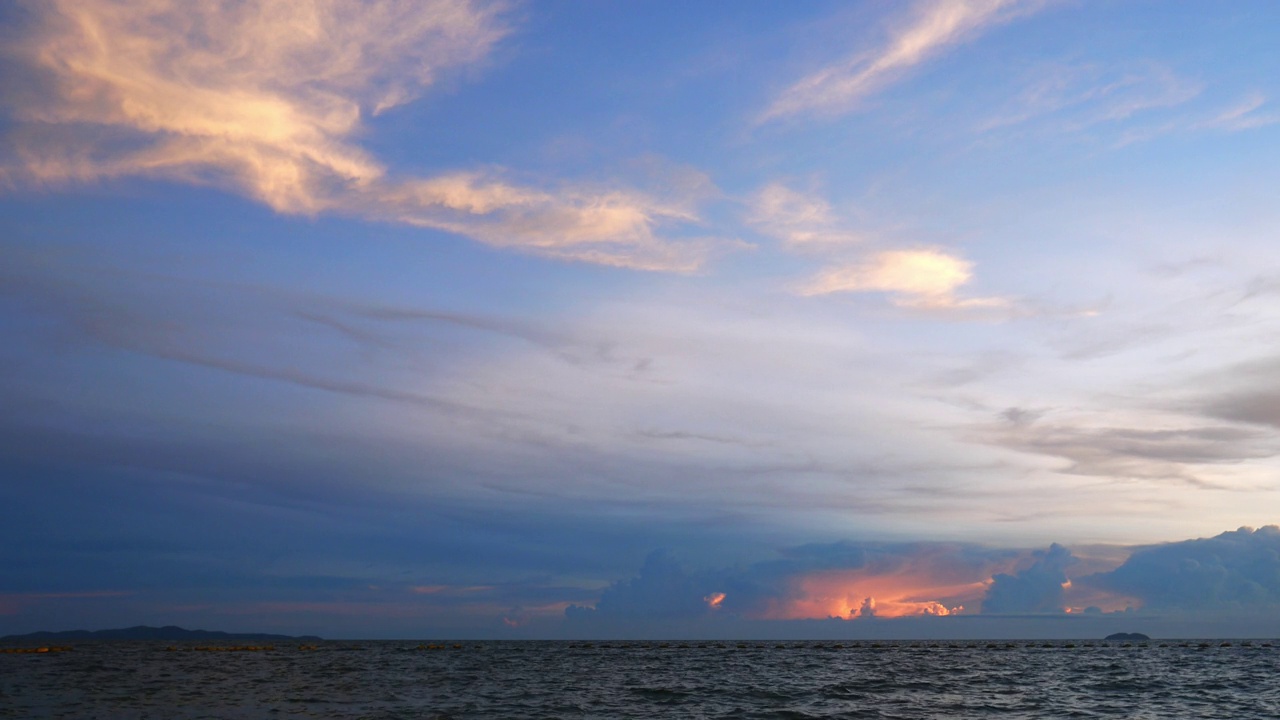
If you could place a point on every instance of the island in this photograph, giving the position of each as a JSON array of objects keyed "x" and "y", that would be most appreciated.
[
  {"x": 146, "y": 632},
  {"x": 1127, "y": 636}
]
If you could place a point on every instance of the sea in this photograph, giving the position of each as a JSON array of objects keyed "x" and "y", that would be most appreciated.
[{"x": 544, "y": 680}]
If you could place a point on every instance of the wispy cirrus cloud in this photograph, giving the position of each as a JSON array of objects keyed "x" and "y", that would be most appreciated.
[
  {"x": 1144, "y": 100},
  {"x": 797, "y": 219},
  {"x": 1253, "y": 111},
  {"x": 613, "y": 227},
  {"x": 265, "y": 98},
  {"x": 262, "y": 96},
  {"x": 931, "y": 28},
  {"x": 1178, "y": 452},
  {"x": 1075, "y": 97}
]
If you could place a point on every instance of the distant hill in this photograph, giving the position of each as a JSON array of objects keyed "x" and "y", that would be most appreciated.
[{"x": 146, "y": 632}]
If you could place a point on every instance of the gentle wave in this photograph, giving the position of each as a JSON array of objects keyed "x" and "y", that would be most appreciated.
[{"x": 517, "y": 680}]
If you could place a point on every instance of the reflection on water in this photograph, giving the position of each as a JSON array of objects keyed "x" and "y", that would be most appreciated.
[{"x": 396, "y": 679}]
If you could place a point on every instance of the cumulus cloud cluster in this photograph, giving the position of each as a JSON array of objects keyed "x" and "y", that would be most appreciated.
[
  {"x": 267, "y": 98},
  {"x": 1235, "y": 570},
  {"x": 843, "y": 580},
  {"x": 1037, "y": 589},
  {"x": 846, "y": 580},
  {"x": 660, "y": 590}
]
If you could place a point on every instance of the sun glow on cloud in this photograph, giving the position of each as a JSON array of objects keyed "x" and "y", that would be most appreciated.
[
  {"x": 919, "y": 278},
  {"x": 861, "y": 594},
  {"x": 264, "y": 97}
]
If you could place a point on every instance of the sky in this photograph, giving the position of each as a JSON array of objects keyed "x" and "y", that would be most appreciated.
[{"x": 453, "y": 318}]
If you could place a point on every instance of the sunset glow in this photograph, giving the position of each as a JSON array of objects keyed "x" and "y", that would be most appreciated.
[
  {"x": 507, "y": 319},
  {"x": 854, "y": 594}
]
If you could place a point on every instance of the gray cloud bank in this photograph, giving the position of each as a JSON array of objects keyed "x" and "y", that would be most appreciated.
[
  {"x": 1237, "y": 570},
  {"x": 1224, "y": 578}
]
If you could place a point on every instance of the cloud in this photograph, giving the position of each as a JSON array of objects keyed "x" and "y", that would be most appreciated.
[
  {"x": 921, "y": 278},
  {"x": 1248, "y": 114},
  {"x": 1261, "y": 407},
  {"x": 844, "y": 580},
  {"x": 1132, "y": 453},
  {"x": 119, "y": 311},
  {"x": 1248, "y": 393},
  {"x": 1234, "y": 570},
  {"x": 797, "y": 219},
  {"x": 1037, "y": 589},
  {"x": 1074, "y": 97},
  {"x": 262, "y": 94},
  {"x": 610, "y": 228},
  {"x": 932, "y": 28},
  {"x": 662, "y": 590},
  {"x": 265, "y": 97}
]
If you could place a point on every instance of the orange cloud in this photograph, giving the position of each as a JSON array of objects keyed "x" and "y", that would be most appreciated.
[
  {"x": 264, "y": 97},
  {"x": 714, "y": 600},
  {"x": 523, "y": 615}
]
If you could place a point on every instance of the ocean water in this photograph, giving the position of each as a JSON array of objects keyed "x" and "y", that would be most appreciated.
[{"x": 396, "y": 679}]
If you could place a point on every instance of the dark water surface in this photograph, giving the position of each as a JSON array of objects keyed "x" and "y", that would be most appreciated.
[{"x": 395, "y": 679}]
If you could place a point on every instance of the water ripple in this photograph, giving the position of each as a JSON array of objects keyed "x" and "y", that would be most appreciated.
[{"x": 880, "y": 681}]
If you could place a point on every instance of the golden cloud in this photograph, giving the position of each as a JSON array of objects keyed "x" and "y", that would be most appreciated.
[
  {"x": 264, "y": 97},
  {"x": 920, "y": 278}
]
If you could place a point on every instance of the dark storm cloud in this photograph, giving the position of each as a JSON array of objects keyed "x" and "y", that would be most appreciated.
[
  {"x": 1037, "y": 589},
  {"x": 1234, "y": 570}
]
